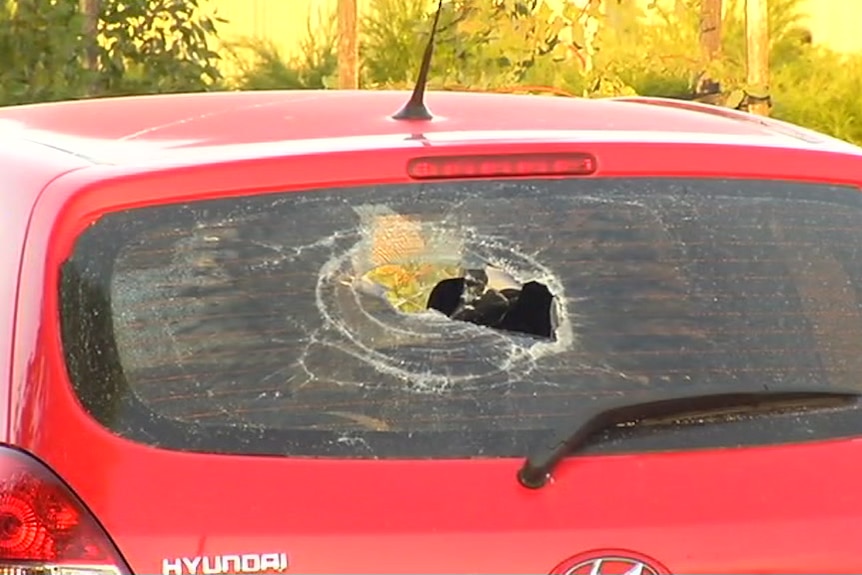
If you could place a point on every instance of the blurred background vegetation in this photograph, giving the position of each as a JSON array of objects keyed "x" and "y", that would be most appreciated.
[{"x": 54, "y": 49}]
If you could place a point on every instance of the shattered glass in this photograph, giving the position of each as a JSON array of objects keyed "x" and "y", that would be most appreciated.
[
  {"x": 401, "y": 259},
  {"x": 310, "y": 311}
]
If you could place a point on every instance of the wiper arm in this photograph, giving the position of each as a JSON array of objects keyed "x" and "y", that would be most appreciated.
[{"x": 600, "y": 414}]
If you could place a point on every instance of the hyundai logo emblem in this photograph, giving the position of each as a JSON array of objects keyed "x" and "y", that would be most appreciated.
[{"x": 610, "y": 562}]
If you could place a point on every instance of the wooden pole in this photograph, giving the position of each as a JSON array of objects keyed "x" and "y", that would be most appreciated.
[
  {"x": 710, "y": 29},
  {"x": 708, "y": 90},
  {"x": 757, "y": 53},
  {"x": 348, "y": 45},
  {"x": 90, "y": 10}
]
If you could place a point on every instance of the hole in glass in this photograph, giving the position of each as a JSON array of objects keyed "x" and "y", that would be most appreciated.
[{"x": 492, "y": 299}]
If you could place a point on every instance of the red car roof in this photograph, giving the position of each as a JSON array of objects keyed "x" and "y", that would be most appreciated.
[{"x": 171, "y": 127}]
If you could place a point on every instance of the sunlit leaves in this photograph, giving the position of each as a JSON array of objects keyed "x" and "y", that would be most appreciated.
[
  {"x": 481, "y": 44},
  {"x": 157, "y": 46},
  {"x": 142, "y": 46},
  {"x": 39, "y": 46},
  {"x": 408, "y": 285}
]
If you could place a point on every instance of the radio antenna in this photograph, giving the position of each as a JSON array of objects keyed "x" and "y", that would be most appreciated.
[{"x": 415, "y": 108}]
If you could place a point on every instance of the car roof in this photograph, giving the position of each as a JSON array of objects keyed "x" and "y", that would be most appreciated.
[{"x": 189, "y": 128}]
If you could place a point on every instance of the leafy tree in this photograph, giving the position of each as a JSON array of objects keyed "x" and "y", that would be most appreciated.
[
  {"x": 155, "y": 46},
  {"x": 39, "y": 48},
  {"x": 394, "y": 33},
  {"x": 260, "y": 65},
  {"x": 510, "y": 39},
  {"x": 482, "y": 44},
  {"x": 141, "y": 46}
]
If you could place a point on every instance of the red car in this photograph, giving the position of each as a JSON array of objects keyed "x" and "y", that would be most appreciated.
[{"x": 286, "y": 332}]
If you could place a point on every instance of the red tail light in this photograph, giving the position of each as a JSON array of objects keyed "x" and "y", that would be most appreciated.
[
  {"x": 45, "y": 528},
  {"x": 502, "y": 165}
]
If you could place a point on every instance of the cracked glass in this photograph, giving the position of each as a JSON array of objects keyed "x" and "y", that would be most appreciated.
[{"x": 299, "y": 323}]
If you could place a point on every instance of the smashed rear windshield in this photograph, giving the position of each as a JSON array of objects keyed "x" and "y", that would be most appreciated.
[{"x": 456, "y": 319}]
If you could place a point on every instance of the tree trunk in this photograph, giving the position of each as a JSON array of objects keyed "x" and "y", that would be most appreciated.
[
  {"x": 348, "y": 45},
  {"x": 91, "y": 9},
  {"x": 757, "y": 55},
  {"x": 710, "y": 29}
]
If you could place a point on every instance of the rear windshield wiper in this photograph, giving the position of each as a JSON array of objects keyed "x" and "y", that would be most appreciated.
[{"x": 600, "y": 414}]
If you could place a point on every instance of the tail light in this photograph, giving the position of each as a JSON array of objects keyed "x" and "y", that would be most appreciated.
[
  {"x": 45, "y": 528},
  {"x": 502, "y": 165}
]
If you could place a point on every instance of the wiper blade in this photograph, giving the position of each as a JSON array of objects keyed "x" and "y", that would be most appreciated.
[{"x": 600, "y": 414}]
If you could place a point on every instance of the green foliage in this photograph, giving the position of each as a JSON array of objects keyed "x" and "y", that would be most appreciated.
[
  {"x": 394, "y": 34},
  {"x": 260, "y": 65},
  {"x": 507, "y": 41},
  {"x": 156, "y": 46},
  {"x": 149, "y": 46},
  {"x": 37, "y": 51},
  {"x": 481, "y": 44},
  {"x": 142, "y": 46},
  {"x": 810, "y": 86},
  {"x": 820, "y": 90},
  {"x": 653, "y": 50},
  {"x": 785, "y": 24},
  {"x": 666, "y": 59}
]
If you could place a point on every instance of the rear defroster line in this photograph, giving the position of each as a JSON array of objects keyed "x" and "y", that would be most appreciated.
[{"x": 600, "y": 414}]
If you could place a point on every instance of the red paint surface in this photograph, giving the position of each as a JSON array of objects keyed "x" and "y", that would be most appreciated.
[{"x": 788, "y": 509}]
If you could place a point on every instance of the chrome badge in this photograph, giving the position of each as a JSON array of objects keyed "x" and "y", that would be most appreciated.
[{"x": 610, "y": 562}]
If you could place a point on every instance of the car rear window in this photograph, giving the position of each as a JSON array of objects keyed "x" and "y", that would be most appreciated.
[{"x": 296, "y": 323}]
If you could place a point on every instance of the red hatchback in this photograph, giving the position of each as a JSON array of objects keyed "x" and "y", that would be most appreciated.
[{"x": 284, "y": 332}]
